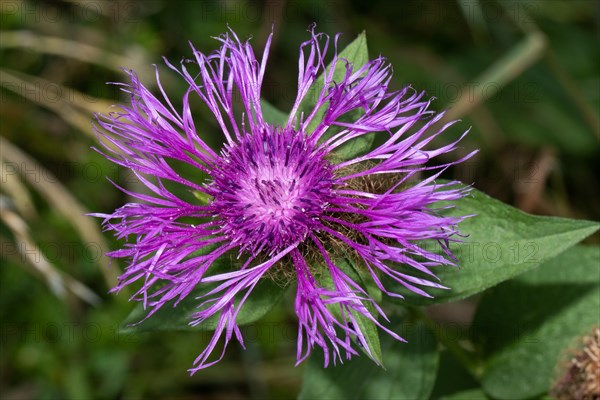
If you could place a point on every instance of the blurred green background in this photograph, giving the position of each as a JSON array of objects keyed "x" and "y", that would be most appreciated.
[{"x": 523, "y": 74}]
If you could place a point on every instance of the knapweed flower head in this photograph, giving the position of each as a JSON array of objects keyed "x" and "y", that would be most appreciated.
[{"x": 279, "y": 198}]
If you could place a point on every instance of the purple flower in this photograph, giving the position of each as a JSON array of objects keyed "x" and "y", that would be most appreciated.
[{"x": 279, "y": 197}]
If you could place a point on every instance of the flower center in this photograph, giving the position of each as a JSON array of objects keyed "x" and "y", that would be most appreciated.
[{"x": 271, "y": 189}]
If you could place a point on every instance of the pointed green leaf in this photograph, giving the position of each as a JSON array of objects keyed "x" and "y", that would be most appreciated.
[
  {"x": 527, "y": 326},
  {"x": 263, "y": 298},
  {"x": 502, "y": 242},
  {"x": 355, "y": 147},
  {"x": 367, "y": 327},
  {"x": 362, "y": 276},
  {"x": 409, "y": 374},
  {"x": 371, "y": 334},
  {"x": 357, "y": 54}
]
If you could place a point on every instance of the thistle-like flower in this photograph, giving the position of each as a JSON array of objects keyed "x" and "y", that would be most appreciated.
[{"x": 278, "y": 197}]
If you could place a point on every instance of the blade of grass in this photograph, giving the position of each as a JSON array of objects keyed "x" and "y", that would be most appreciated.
[
  {"x": 63, "y": 202},
  {"x": 77, "y": 109},
  {"x": 573, "y": 92},
  {"x": 67, "y": 48},
  {"x": 526, "y": 23},
  {"x": 523, "y": 55},
  {"x": 58, "y": 281},
  {"x": 14, "y": 187}
]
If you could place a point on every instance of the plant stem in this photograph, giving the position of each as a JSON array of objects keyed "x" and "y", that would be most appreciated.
[{"x": 462, "y": 355}]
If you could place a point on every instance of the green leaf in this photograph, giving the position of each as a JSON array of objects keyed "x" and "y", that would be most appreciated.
[
  {"x": 410, "y": 372},
  {"x": 367, "y": 327},
  {"x": 502, "y": 243},
  {"x": 263, "y": 298},
  {"x": 527, "y": 326},
  {"x": 371, "y": 334},
  {"x": 353, "y": 147},
  {"x": 362, "y": 276},
  {"x": 272, "y": 114},
  {"x": 357, "y": 54}
]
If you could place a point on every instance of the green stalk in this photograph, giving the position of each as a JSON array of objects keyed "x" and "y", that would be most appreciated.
[{"x": 462, "y": 355}]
